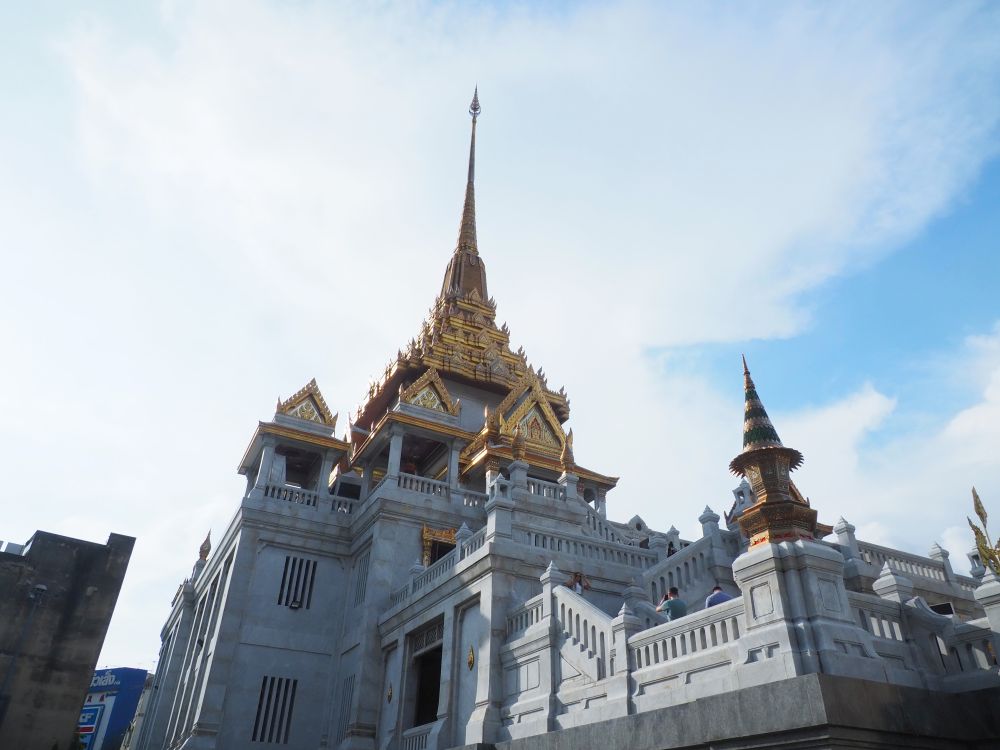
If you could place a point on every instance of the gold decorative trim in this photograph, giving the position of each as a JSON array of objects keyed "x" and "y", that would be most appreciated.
[
  {"x": 428, "y": 536},
  {"x": 419, "y": 393},
  {"x": 308, "y": 403},
  {"x": 471, "y": 659}
]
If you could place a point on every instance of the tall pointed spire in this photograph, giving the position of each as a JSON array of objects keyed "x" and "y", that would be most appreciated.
[
  {"x": 467, "y": 230},
  {"x": 778, "y": 515},
  {"x": 758, "y": 431},
  {"x": 466, "y": 273}
]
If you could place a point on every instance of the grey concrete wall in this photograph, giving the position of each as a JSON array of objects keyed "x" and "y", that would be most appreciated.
[
  {"x": 818, "y": 711},
  {"x": 49, "y": 644}
]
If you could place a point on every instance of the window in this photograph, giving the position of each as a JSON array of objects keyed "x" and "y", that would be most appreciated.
[
  {"x": 297, "y": 580},
  {"x": 274, "y": 710}
]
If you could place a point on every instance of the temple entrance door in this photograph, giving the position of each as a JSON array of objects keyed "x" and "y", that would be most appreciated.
[{"x": 428, "y": 669}]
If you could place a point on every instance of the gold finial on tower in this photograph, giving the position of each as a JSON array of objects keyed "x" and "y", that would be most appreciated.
[
  {"x": 779, "y": 515},
  {"x": 518, "y": 445},
  {"x": 206, "y": 547},
  {"x": 566, "y": 457},
  {"x": 466, "y": 273}
]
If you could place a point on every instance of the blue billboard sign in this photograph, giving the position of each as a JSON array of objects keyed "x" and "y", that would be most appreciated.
[{"x": 109, "y": 707}]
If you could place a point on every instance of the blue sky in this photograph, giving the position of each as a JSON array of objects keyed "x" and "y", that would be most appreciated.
[
  {"x": 206, "y": 204},
  {"x": 893, "y": 323}
]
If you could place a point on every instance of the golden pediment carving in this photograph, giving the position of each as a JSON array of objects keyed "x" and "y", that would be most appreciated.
[
  {"x": 527, "y": 407},
  {"x": 308, "y": 403},
  {"x": 428, "y": 536},
  {"x": 429, "y": 391}
]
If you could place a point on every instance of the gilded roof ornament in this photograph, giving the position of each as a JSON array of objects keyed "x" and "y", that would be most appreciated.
[
  {"x": 518, "y": 444},
  {"x": 430, "y": 392},
  {"x": 308, "y": 403},
  {"x": 780, "y": 512},
  {"x": 566, "y": 457},
  {"x": 758, "y": 431}
]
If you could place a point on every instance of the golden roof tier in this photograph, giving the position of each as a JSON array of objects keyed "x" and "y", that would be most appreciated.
[{"x": 459, "y": 338}]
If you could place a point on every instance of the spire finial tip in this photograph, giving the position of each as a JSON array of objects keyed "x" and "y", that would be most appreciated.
[{"x": 474, "y": 108}]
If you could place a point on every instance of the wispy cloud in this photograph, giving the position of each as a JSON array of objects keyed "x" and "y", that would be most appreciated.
[{"x": 258, "y": 195}]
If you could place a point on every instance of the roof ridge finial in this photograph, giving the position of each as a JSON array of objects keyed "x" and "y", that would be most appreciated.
[
  {"x": 466, "y": 272},
  {"x": 467, "y": 232}
]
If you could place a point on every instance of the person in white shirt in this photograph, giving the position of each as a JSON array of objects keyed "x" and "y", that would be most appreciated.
[{"x": 578, "y": 583}]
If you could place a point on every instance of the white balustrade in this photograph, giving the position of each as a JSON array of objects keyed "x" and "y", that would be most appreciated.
[
  {"x": 550, "y": 490},
  {"x": 603, "y": 529},
  {"x": 471, "y": 544},
  {"x": 416, "y": 738},
  {"x": 342, "y": 504},
  {"x": 711, "y": 628},
  {"x": 902, "y": 562},
  {"x": 587, "y": 548},
  {"x": 586, "y": 627},
  {"x": 290, "y": 494},
  {"x": 524, "y": 616},
  {"x": 880, "y": 617},
  {"x": 434, "y": 571},
  {"x": 474, "y": 499},
  {"x": 684, "y": 569},
  {"x": 423, "y": 485}
]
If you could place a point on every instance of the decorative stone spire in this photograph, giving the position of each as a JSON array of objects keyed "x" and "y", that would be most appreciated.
[
  {"x": 566, "y": 456},
  {"x": 466, "y": 273},
  {"x": 778, "y": 515},
  {"x": 518, "y": 444},
  {"x": 206, "y": 547}
]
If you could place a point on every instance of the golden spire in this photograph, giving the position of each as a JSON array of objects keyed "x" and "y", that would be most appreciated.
[
  {"x": 206, "y": 546},
  {"x": 779, "y": 514},
  {"x": 518, "y": 444},
  {"x": 466, "y": 273}
]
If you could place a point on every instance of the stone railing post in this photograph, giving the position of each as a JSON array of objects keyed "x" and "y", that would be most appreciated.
[
  {"x": 549, "y": 659},
  {"x": 709, "y": 521},
  {"x": 519, "y": 480},
  {"x": 893, "y": 586},
  {"x": 941, "y": 555},
  {"x": 499, "y": 511},
  {"x": 658, "y": 544},
  {"x": 623, "y": 627},
  {"x": 976, "y": 568},
  {"x": 569, "y": 482},
  {"x": 461, "y": 537},
  {"x": 988, "y": 596}
]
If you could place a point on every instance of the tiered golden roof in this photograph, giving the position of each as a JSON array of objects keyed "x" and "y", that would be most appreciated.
[{"x": 460, "y": 340}]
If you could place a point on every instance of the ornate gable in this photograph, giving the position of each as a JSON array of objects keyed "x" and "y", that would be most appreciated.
[
  {"x": 527, "y": 407},
  {"x": 307, "y": 403},
  {"x": 430, "y": 392}
]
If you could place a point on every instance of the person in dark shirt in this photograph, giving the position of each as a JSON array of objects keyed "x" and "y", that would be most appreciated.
[
  {"x": 718, "y": 596},
  {"x": 672, "y": 605}
]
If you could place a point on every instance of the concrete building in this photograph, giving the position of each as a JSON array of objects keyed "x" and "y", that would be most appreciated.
[
  {"x": 407, "y": 587},
  {"x": 57, "y": 595}
]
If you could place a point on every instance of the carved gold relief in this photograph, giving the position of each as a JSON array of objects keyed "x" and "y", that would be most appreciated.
[
  {"x": 308, "y": 403},
  {"x": 430, "y": 392},
  {"x": 471, "y": 659},
  {"x": 428, "y": 536}
]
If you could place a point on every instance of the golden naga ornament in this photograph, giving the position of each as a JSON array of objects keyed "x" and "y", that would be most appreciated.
[{"x": 989, "y": 553}]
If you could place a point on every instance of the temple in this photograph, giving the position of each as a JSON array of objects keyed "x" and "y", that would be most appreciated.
[{"x": 406, "y": 586}]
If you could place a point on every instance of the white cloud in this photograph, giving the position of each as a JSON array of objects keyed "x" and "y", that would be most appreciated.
[{"x": 254, "y": 195}]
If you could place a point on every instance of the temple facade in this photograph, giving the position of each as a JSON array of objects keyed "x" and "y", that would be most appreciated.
[{"x": 408, "y": 586}]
